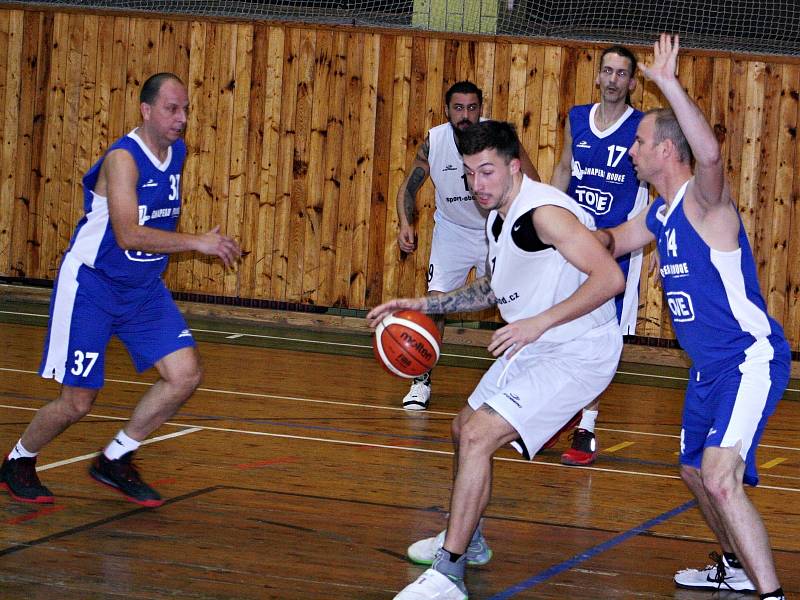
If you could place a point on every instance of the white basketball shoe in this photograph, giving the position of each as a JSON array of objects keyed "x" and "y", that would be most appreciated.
[{"x": 717, "y": 576}]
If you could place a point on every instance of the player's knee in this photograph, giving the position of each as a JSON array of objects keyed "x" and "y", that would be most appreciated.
[
  {"x": 76, "y": 402},
  {"x": 474, "y": 438},
  {"x": 720, "y": 485}
]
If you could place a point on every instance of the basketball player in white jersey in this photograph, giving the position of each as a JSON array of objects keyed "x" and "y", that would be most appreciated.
[
  {"x": 553, "y": 283},
  {"x": 597, "y": 172},
  {"x": 459, "y": 238},
  {"x": 740, "y": 356}
]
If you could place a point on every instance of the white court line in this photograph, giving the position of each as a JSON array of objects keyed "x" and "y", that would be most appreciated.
[
  {"x": 75, "y": 459},
  {"x": 339, "y": 403},
  {"x": 236, "y": 335},
  {"x": 193, "y": 428}
]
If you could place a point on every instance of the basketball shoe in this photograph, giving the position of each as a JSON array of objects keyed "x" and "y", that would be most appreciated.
[
  {"x": 122, "y": 475},
  {"x": 419, "y": 395},
  {"x": 19, "y": 477},
  {"x": 717, "y": 576},
  {"x": 573, "y": 422},
  {"x": 443, "y": 581},
  {"x": 583, "y": 450},
  {"x": 424, "y": 551}
]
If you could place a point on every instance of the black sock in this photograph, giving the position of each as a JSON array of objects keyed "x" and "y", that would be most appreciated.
[
  {"x": 452, "y": 556},
  {"x": 778, "y": 594},
  {"x": 732, "y": 560}
]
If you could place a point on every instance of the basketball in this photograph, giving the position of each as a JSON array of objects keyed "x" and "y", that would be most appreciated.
[{"x": 406, "y": 343}]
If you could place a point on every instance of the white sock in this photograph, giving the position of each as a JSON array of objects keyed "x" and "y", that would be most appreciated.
[
  {"x": 587, "y": 420},
  {"x": 120, "y": 445},
  {"x": 19, "y": 451}
]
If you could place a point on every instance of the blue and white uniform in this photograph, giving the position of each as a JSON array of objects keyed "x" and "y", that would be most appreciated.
[
  {"x": 103, "y": 290},
  {"x": 604, "y": 184},
  {"x": 459, "y": 231},
  {"x": 740, "y": 357}
]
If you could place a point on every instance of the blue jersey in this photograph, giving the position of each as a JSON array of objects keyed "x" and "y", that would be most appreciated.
[
  {"x": 714, "y": 299},
  {"x": 158, "y": 191},
  {"x": 603, "y": 180},
  {"x": 605, "y": 185}
]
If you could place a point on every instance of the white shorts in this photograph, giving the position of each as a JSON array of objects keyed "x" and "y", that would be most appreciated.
[
  {"x": 542, "y": 387},
  {"x": 454, "y": 251}
]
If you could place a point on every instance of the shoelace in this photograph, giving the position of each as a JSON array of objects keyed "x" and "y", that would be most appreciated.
[{"x": 719, "y": 576}]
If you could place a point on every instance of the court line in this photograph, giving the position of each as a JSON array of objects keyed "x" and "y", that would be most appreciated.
[
  {"x": 239, "y": 334},
  {"x": 591, "y": 552},
  {"x": 75, "y": 459},
  {"x": 392, "y": 447},
  {"x": 352, "y": 404}
]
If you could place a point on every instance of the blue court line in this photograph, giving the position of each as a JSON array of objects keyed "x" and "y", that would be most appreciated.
[{"x": 591, "y": 552}]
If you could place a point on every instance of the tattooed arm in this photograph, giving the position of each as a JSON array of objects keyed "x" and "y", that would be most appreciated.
[
  {"x": 471, "y": 297},
  {"x": 407, "y": 198}
]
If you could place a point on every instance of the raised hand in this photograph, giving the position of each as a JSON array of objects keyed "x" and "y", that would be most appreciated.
[{"x": 665, "y": 59}]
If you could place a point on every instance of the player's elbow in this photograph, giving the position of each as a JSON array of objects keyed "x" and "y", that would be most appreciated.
[
  {"x": 126, "y": 238},
  {"x": 616, "y": 281}
]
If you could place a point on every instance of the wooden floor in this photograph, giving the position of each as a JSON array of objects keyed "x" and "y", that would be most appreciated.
[{"x": 293, "y": 474}]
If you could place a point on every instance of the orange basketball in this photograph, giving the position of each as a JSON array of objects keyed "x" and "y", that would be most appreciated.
[{"x": 406, "y": 343}]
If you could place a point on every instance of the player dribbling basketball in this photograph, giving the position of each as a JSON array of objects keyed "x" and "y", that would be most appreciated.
[{"x": 553, "y": 283}]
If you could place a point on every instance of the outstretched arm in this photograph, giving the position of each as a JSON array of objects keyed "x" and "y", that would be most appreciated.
[
  {"x": 709, "y": 178},
  {"x": 407, "y": 198},
  {"x": 473, "y": 296},
  {"x": 117, "y": 181}
]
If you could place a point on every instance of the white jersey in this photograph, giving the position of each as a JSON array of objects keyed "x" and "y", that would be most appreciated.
[
  {"x": 454, "y": 200},
  {"x": 528, "y": 283}
]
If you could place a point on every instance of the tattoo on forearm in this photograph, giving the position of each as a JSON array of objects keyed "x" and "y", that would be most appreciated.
[
  {"x": 488, "y": 409},
  {"x": 424, "y": 150},
  {"x": 415, "y": 181},
  {"x": 475, "y": 296}
]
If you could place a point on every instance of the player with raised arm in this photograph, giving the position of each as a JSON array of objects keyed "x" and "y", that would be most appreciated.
[{"x": 740, "y": 357}]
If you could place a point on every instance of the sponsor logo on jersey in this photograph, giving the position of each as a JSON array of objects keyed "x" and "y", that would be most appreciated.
[
  {"x": 511, "y": 297},
  {"x": 583, "y": 144},
  {"x": 452, "y": 199},
  {"x": 595, "y": 201},
  {"x": 513, "y": 397},
  {"x": 150, "y": 183},
  {"x": 139, "y": 256},
  {"x": 675, "y": 270},
  {"x": 449, "y": 168},
  {"x": 185, "y": 333},
  {"x": 680, "y": 305}
]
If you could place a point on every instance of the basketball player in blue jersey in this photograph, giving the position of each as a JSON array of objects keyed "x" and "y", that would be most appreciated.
[
  {"x": 554, "y": 285},
  {"x": 459, "y": 237},
  {"x": 740, "y": 357},
  {"x": 597, "y": 172},
  {"x": 109, "y": 284}
]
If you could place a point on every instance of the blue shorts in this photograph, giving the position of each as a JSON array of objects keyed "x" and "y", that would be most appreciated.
[
  {"x": 733, "y": 404},
  {"x": 85, "y": 311}
]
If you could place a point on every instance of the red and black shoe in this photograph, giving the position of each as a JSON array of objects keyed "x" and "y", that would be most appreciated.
[
  {"x": 573, "y": 422},
  {"x": 121, "y": 474},
  {"x": 19, "y": 477},
  {"x": 583, "y": 450}
]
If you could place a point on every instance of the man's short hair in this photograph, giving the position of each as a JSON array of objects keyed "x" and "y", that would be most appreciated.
[
  {"x": 152, "y": 86},
  {"x": 666, "y": 127},
  {"x": 624, "y": 53},
  {"x": 486, "y": 135},
  {"x": 463, "y": 87}
]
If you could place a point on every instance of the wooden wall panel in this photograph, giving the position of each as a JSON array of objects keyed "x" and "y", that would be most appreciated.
[{"x": 300, "y": 136}]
